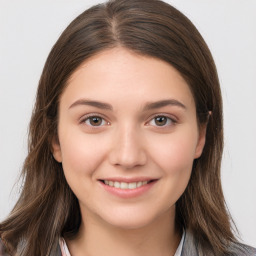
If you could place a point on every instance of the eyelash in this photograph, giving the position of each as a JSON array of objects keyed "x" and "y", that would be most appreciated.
[
  {"x": 171, "y": 120},
  {"x": 88, "y": 117}
]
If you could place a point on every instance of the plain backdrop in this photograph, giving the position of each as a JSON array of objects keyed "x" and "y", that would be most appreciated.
[{"x": 28, "y": 30}]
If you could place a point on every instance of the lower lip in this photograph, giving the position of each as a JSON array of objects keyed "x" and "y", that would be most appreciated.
[{"x": 128, "y": 193}]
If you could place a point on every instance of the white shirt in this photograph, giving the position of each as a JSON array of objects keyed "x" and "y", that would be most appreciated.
[
  {"x": 65, "y": 251},
  {"x": 179, "y": 249}
]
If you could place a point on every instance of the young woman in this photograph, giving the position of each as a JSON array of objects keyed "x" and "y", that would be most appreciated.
[{"x": 125, "y": 142}]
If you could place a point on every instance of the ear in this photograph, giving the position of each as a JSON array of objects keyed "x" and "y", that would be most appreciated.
[
  {"x": 56, "y": 150},
  {"x": 201, "y": 140}
]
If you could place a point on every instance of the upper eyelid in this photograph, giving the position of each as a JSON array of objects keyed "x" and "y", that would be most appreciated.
[
  {"x": 173, "y": 118},
  {"x": 92, "y": 127},
  {"x": 86, "y": 116}
]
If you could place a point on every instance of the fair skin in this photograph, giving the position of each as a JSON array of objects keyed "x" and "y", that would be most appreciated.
[{"x": 130, "y": 119}]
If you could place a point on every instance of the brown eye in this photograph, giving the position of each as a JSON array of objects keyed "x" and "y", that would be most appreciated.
[
  {"x": 161, "y": 120},
  {"x": 95, "y": 121}
]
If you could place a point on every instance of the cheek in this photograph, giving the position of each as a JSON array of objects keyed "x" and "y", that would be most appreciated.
[
  {"x": 175, "y": 159},
  {"x": 81, "y": 154},
  {"x": 175, "y": 152},
  {"x": 175, "y": 156}
]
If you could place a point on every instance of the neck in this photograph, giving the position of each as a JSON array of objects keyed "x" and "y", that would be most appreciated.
[{"x": 161, "y": 237}]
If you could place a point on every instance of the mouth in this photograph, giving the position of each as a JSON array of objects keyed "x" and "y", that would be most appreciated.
[{"x": 126, "y": 185}]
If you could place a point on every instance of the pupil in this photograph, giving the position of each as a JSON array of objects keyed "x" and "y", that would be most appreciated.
[
  {"x": 95, "y": 121},
  {"x": 161, "y": 120}
]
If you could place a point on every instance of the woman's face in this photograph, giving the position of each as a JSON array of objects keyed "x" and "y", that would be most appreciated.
[{"x": 127, "y": 120}]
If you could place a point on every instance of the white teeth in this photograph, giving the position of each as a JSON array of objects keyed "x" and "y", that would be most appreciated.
[
  {"x": 139, "y": 184},
  {"x": 132, "y": 185},
  {"x": 116, "y": 184},
  {"x": 125, "y": 185}
]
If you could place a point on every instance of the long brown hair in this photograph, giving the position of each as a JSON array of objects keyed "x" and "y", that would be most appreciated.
[{"x": 47, "y": 208}]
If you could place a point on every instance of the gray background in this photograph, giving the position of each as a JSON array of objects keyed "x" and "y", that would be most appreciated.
[{"x": 28, "y": 29}]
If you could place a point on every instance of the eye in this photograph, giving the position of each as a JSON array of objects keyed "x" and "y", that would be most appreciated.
[
  {"x": 161, "y": 121},
  {"x": 95, "y": 121}
]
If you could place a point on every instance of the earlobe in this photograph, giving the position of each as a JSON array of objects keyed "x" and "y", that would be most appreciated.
[{"x": 56, "y": 150}]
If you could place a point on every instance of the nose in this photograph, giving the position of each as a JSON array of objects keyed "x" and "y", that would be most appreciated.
[{"x": 127, "y": 150}]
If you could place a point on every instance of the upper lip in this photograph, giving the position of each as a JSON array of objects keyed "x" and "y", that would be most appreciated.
[{"x": 129, "y": 180}]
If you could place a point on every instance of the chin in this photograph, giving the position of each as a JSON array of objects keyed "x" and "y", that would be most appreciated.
[
  {"x": 129, "y": 223},
  {"x": 130, "y": 219}
]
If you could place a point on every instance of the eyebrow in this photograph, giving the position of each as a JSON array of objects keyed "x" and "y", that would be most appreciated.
[
  {"x": 92, "y": 103},
  {"x": 147, "y": 107},
  {"x": 163, "y": 103}
]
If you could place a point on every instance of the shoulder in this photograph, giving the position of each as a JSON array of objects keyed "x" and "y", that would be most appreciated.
[
  {"x": 56, "y": 251},
  {"x": 192, "y": 248},
  {"x": 243, "y": 250},
  {"x": 3, "y": 251}
]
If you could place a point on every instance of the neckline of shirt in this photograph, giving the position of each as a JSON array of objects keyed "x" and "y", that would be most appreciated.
[{"x": 65, "y": 250}]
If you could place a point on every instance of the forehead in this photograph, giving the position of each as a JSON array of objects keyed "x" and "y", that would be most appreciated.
[{"x": 121, "y": 75}]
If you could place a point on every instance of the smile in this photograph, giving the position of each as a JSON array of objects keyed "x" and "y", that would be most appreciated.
[
  {"x": 127, "y": 188},
  {"x": 125, "y": 185}
]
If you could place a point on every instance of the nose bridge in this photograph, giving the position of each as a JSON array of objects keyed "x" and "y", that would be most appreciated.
[{"x": 128, "y": 147}]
